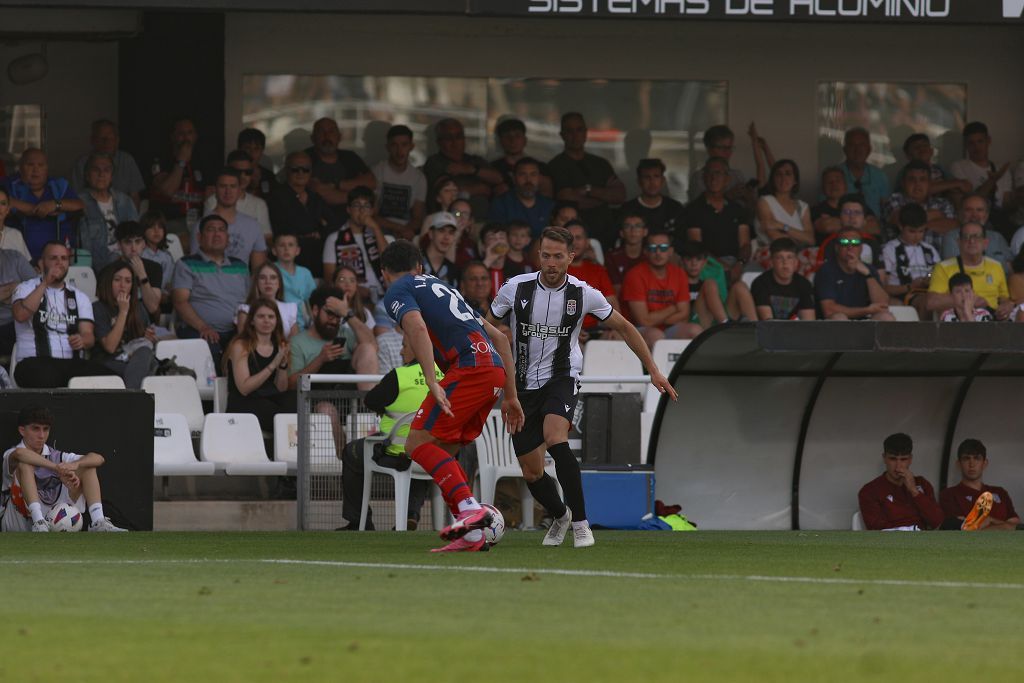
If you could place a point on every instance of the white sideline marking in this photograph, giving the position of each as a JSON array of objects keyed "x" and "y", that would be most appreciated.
[{"x": 906, "y": 583}]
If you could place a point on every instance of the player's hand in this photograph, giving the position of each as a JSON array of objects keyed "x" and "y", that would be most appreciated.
[
  {"x": 512, "y": 413},
  {"x": 910, "y": 483},
  {"x": 437, "y": 391},
  {"x": 664, "y": 386}
]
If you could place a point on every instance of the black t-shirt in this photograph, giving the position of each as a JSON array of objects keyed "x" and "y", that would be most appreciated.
[
  {"x": 786, "y": 301},
  {"x": 310, "y": 222},
  {"x": 347, "y": 166},
  {"x": 154, "y": 271},
  {"x": 670, "y": 215},
  {"x": 594, "y": 171},
  {"x": 719, "y": 230},
  {"x": 268, "y": 181}
]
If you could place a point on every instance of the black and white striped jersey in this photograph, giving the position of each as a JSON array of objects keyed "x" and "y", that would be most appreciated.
[{"x": 546, "y": 325}]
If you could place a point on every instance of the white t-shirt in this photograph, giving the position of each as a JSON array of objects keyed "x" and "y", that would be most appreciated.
[
  {"x": 352, "y": 253},
  {"x": 792, "y": 221},
  {"x": 110, "y": 218},
  {"x": 55, "y": 317},
  {"x": 48, "y": 497},
  {"x": 250, "y": 204},
  {"x": 289, "y": 314},
  {"x": 916, "y": 261},
  {"x": 398, "y": 191},
  {"x": 965, "y": 169},
  {"x": 11, "y": 238}
]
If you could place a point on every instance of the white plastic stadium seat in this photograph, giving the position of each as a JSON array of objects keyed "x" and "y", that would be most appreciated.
[
  {"x": 173, "y": 455},
  {"x": 220, "y": 395},
  {"x": 598, "y": 250},
  {"x": 905, "y": 314},
  {"x": 858, "y": 521},
  {"x": 749, "y": 276},
  {"x": 97, "y": 382},
  {"x": 83, "y": 279},
  {"x": 191, "y": 353},
  {"x": 496, "y": 459},
  {"x": 403, "y": 481},
  {"x": 174, "y": 247},
  {"x": 176, "y": 394},
  {"x": 234, "y": 443},
  {"x": 605, "y": 358},
  {"x": 323, "y": 452}
]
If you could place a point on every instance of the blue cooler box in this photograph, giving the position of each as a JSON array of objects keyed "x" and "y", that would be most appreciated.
[{"x": 618, "y": 496}]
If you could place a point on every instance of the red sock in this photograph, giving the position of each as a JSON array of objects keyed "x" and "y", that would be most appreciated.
[{"x": 447, "y": 473}]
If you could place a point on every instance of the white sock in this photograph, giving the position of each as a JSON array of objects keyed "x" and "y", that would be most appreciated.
[
  {"x": 36, "y": 510},
  {"x": 474, "y": 535},
  {"x": 580, "y": 525},
  {"x": 96, "y": 512},
  {"x": 468, "y": 504}
]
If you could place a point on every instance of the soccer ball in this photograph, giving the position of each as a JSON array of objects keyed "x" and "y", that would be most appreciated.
[
  {"x": 496, "y": 529},
  {"x": 64, "y": 517}
]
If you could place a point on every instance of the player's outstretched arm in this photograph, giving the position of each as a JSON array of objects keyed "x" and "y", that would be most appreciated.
[
  {"x": 637, "y": 344},
  {"x": 511, "y": 411},
  {"x": 413, "y": 325}
]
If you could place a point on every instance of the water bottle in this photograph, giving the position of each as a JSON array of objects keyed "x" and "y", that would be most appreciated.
[{"x": 211, "y": 373}]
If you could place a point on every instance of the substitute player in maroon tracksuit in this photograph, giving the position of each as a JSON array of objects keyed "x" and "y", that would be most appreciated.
[
  {"x": 474, "y": 355},
  {"x": 898, "y": 499}
]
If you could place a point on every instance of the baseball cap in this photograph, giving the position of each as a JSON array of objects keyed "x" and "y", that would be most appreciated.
[{"x": 442, "y": 219}]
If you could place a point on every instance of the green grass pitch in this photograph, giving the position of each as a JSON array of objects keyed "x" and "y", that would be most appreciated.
[{"x": 639, "y": 606}]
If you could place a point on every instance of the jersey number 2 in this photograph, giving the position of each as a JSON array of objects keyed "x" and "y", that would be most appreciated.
[{"x": 456, "y": 304}]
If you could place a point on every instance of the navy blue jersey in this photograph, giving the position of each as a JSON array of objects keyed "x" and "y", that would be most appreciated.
[{"x": 455, "y": 329}]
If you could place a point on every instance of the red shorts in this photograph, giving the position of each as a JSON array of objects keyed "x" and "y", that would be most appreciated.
[{"x": 472, "y": 393}]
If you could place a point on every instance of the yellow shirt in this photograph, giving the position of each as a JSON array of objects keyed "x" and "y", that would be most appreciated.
[{"x": 988, "y": 278}]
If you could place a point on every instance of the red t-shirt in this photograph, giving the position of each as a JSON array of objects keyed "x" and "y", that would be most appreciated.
[
  {"x": 957, "y": 501},
  {"x": 618, "y": 263},
  {"x": 641, "y": 284},
  {"x": 597, "y": 277},
  {"x": 885, "y": 505}
]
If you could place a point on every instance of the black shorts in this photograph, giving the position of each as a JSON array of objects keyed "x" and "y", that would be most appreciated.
[{"x": 557, "y": 397}]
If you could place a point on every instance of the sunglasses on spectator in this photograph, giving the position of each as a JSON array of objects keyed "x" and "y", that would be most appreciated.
[
  {"x": 300, "y": 169},
  {"x": 848, "y": 242},
  {"x": 654, "y": 248},
  {"x": 972, "y": 238}
]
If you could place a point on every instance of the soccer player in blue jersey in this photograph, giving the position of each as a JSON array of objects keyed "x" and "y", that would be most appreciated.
[{"x": 440, "y": 325}]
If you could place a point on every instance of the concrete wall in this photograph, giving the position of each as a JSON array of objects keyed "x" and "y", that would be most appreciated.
[{"x": 772, "y": 69}]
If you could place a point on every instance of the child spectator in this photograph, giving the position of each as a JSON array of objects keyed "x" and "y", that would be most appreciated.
[
  {"x": 909, "y": 261},
  {"x": 782, "y": 293},
  {"x": 154, "y": 230},
  {"x": 297, "y": 280},
  {"x": 961, "y": 288},
  {"x": 712, "y": 300},
  {"x": 519, "y": 245}
]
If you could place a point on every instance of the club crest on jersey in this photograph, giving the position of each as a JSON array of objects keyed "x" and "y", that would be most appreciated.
[{"x": 570, "y": 307}]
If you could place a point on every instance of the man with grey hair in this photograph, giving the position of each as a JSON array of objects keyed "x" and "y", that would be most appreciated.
[{"x": 987, "y": 275}]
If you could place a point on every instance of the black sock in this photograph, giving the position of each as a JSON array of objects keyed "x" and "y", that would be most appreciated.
[
  {"x": 546, "y": 493},
  {"x": 568, "y": 471}
]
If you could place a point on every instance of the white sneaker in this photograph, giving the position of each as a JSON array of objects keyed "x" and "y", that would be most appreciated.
[
  {"x": 104, "y": 524},
  {"x": 582, "y": 536},
  {"x": 41, "y": 525},
  {"x": 556, "y": 532}
]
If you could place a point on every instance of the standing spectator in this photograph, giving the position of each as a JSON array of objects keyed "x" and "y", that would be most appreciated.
[
  {"x": 14, "y": 269},
  {"x": 865, "y": 179},
  {"x": 336, "y": 172},
  {"x": 780, "y": 212},
  {"x": 125, "y": 337},
  {"x": 337, "y": 341},
  {"x": 720, "y": 224},
  {"x": 511, "y": 136},
  {"x": 524, "y": 202},
  {"x": 586, "y": 179},
  {"x": 898, "y": 499},
  {"x": 712, "y": 299},
  {"x": 441, "y": 238},
  {"x": 987, "y": 274},
  {"x": 247, "y": 202},
  {"x": 958, "y": 501},
  {"x": 298, "y": 281},
  {"x": 10, "y": 238},
  {"x": 847, "y": 288},
  {"x": 909, "y": 261},
  {"x": 207, "y": 288},
  {"x": 781, "y": 293},
  {"x": 630, "y": 252},
  {"x": 105, "y": 209},
  {"x": 357, "y": 244},
  {"x": 993, "y": 183},
  {"x": 402, "y": 188},
  {"x": 964, "y": 309},
  {"x": 178, "y": 185},
  {"x": 590, "y": 272},
  {"x": 40, "y": 204},
  {"x": 914, "y": 189},
  {"x": 657, "y": 294},
  {"x": 719, "y": 141},
  {"x": 474, "y": 176},
  {"x": 53, "y": 325},
  {"x": 154, "y": 231},
  {"x": 245, "y": 237},
  {"x": 295, "y": 209},
  {"x": 658, "y": 211},
  {"x": 257, "y": 366},
  {"x": 125, "y": 177},
  {"x": 262, "y": 181},
  {"x": 267, "y": 284}
]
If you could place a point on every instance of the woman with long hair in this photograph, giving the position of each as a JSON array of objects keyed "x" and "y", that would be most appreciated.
[
  {"x": 257, "y": 364},
  {"x": 124, "y": 336},
  {"x": 267, "y": 283},
  {"x": 347, "y": 281},
  {"x": 779, "y": 212}
]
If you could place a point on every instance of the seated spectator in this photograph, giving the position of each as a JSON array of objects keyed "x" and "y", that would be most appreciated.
[
  {"x": 475, "y": 287},
  {"x": 125, "y": 339},
  {"x": 473, "y": 175},
  {"x": 958, "y": 501},
  {"x": 207, "y": 288},
  {"x": 586, "y": 179},
  {"x": 298, "y": 281},
  {"x": 846, "y": 288},
  {"x": 825, "y": 214},
  {"x": 719, "y": 141},
  {"x": 440, "y": 241},
  {"x": 154, "y": 231},
  {"x": 357, "y": 244},
  {"x": 10, "y": 238},
  {"x": 1015, "y": 283},
  {"x": 511, "y": 136},
  {"x": 524, "y": 202},
  {"x": 262, "y": 181},
  {"x": 897, "y": 499},
  {"x": 295, "y": 209},
  {"x": 989, "y": 280},
  {"x": 657, "y": 294},
  {"x": 347, "y": 282},
  {"x": 126, "y": 178},
  {"x": 148, "y": 274},
  {"x": 915, "y": 190},
  {"x": 268, "y": 284},
  {"x": 594, "y": 275},
  {"x": 36, "y": 478},
  {"x": 782, "y": 293},
  {"x": 975, "y": 209},
  {"x": 443, "y": 192},
  {"x": 712, "y": 300},
  {"x": 336, "y": 172},
  {"x": 519, "y": 243},
  {"x": 53, "y": 325},
  {"x": 720, "y": 224},
  {"x": 402, "y": 188},
  {"x": 39, "y": 204},
  {"x": 466, "y": 245},
  {"x": 658, "y": 211},
  {"x": 400, "y": 392},
  {"x": 618, "y": 261},
  {"x": 865, "y": 179},
  {"x": 918, "y": 147},
  {"x": 245, "y": 236},
  {"x": 105, "y": 209},
  {"x": 961, "y": 290},
  {"x": 337, "y": 341},
  {"x": 247, "y": 202},
  {"x": 780, "y": 213},
  {"x": 256, "y": 365},
  {"x": 494, "y": 249},
  {"x": 853, "y": 215},
  {"x": 991, "y": 182},
  {"x": 564, "y": 212},
  {"x": 14, "y": 269},
  {"x": 909, "y": 261},
  {"x": 178, "y": 188}
]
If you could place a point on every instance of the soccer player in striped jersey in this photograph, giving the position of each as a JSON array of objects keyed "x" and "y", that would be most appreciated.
[
  {"x": 441, "y": 325},
  {"x": 545, "y": 311}
]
